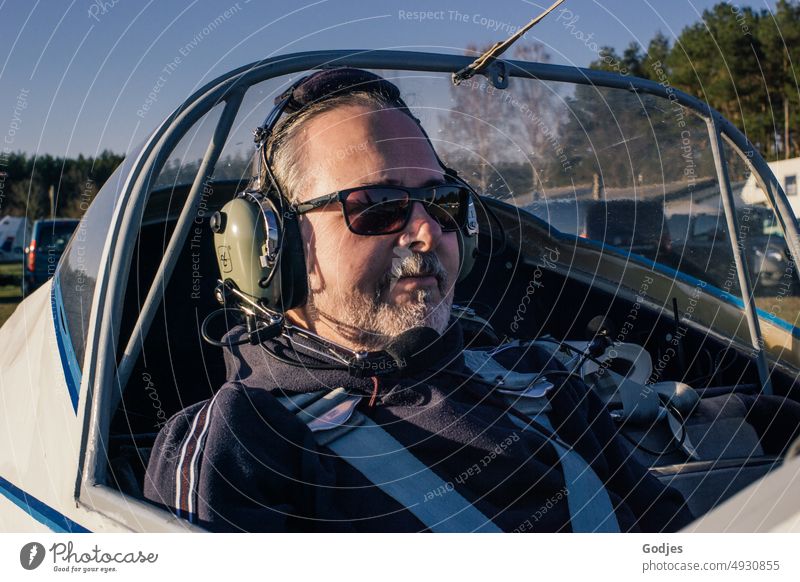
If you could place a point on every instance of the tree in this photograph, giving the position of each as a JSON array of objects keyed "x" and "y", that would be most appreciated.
[
  {"x": 633, "y": 60},
  {"x": 473, "y": 127},
  {"x": 718, "y": 60},
  {"x": 780, "y": 39},
  {"x": 656, "y": 56},
  {"x": 29, "y": 199},
  {"x": 536, "y": 124},
  {"x": 505, "y": 141},
  {"x": 74, "y": 181}
]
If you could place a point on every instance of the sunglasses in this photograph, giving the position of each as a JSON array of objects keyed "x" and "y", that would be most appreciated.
[{"x": 378, "y": 210}]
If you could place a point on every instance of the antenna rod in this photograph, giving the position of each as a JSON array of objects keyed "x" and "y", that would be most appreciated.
[{"x": 499, "y": 48}]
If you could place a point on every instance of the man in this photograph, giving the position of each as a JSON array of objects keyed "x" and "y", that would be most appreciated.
[{"x": 439, "y": 445}]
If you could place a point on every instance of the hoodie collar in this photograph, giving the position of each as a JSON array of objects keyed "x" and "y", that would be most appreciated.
[{"x": 253, "y": 366}]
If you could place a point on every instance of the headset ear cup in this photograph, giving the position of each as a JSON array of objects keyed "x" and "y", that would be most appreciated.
[
  {"x": 294, "y": 279},
  {"x": 263, "y": 255},
  {"x": 468, "y": 240},
  {"x": 468, "y": 251}
]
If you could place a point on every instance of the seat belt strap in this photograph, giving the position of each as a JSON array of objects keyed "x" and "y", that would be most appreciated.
[
  {"x": 589, "y": 505},
  {"x": 386, "y": 462}
]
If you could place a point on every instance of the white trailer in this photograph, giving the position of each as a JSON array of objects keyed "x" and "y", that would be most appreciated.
[{"x": 787, "y": 173}]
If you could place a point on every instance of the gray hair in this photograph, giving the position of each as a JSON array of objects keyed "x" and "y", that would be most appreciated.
[{"x": 285, "y": 152}]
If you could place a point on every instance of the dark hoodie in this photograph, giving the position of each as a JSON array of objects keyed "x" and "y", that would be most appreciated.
[{"x": 257, "y": 467}]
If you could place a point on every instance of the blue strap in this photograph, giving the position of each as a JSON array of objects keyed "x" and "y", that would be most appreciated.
[
  {"x": 589, "y": 505},
  {"x": 390, "y": 466}
]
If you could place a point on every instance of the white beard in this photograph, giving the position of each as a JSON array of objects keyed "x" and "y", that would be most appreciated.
[{"x": 370, "y": 322}]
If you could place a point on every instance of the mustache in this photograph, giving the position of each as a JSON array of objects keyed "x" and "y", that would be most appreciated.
[
  {"x": 417, "y": 265},
  {"x": 414, "y": 264}
]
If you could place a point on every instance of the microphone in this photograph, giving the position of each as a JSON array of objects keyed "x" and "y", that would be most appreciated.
[
  {"x": 599, "y": 332},
  {"x": 414, "y": 349}
]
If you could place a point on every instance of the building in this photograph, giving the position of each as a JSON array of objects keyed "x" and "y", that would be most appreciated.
[{"x": 787, "y": 173}]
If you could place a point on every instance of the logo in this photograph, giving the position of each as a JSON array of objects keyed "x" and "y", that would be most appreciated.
[
  {"x": 31, "y": 555},
  {"x": 223, "y": 251}
]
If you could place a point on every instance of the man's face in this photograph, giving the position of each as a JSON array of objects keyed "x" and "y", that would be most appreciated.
[{"x": 354, "y": 299}]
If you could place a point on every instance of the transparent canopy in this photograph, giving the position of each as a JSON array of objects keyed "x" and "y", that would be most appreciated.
[{"x": 615, "y": 168}]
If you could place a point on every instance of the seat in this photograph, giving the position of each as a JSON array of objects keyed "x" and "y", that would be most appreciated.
[{"x": 175, "y": 367}]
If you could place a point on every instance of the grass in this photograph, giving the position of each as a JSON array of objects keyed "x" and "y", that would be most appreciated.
[{"x": 10, "y": 290}]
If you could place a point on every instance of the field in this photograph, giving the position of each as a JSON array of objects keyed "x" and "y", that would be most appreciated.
[{"x": 10, "y": 291}]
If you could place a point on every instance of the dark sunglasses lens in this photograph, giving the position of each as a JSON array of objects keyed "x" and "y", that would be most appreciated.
[
  {"x": 447, "y": 206},
  {"x": 376, "y": 210}
]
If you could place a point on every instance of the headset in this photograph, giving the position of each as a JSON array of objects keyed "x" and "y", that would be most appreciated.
[{"x": 257, "y": 236}]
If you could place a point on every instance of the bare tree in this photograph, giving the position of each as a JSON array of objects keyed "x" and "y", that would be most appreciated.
[
  {"x": 474, "y": 127},
  {"x": 505, "y": 139}
]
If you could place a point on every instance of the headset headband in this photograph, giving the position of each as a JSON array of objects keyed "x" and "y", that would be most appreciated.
[
  {"x": 323, "y": 85},
  {"x": 327, "y": 84}
]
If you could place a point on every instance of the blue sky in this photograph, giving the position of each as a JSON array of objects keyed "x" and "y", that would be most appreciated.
[{"x": 74, "y": 74}]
